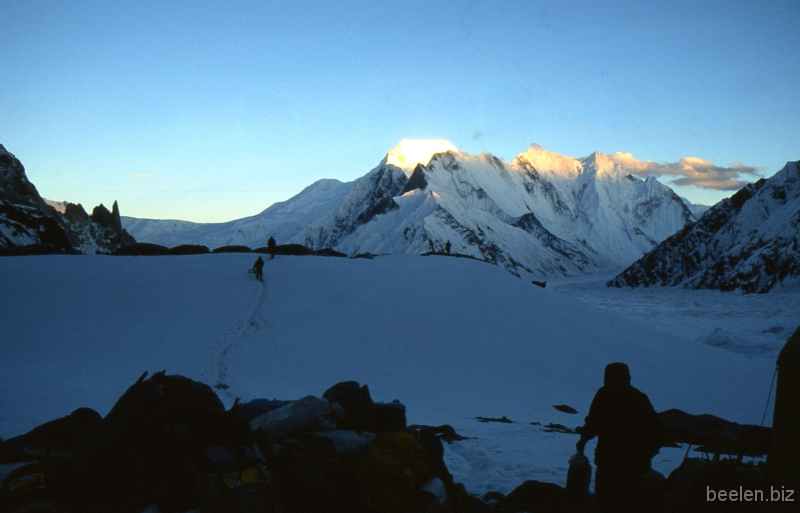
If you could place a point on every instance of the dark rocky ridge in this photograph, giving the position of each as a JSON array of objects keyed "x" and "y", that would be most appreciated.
[{"x": 28, "y": 225}]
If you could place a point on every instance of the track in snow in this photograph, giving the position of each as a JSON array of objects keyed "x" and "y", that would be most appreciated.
[{"x": 216, "y": 372}]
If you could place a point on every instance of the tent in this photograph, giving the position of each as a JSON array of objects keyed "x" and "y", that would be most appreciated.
[{"x": 784, "y": 458}]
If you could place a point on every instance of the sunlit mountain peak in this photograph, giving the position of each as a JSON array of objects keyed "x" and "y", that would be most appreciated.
[{"x": 410, "y": 152}]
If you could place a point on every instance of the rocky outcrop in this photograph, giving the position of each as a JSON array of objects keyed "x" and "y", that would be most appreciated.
[{"x": 29, "y": 225}]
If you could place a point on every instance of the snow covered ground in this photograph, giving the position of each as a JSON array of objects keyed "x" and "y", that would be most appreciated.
[
  {"x": 756, "y": 325},
  {"x": 451, "y": 338}
]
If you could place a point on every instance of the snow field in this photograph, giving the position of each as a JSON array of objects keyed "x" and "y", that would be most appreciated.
[{"x": 451, "y": 338}]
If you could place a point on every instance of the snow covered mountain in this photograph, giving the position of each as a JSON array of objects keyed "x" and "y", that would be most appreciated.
[
  {"x": 282, "y": 220},
  {"x": 543, "y": 214},
  {"x": 29, "y": 223},
  {"x": 697, "y": 209},
  {"x": 748, "y": 242}
]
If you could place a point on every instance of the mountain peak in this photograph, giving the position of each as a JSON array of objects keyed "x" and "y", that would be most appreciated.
[
  {"x": 598, "y": 157},
  {"x": 410, "y": 152},
  {"x": 602, "y": 165},
  {"x": 547, "y": 161}
]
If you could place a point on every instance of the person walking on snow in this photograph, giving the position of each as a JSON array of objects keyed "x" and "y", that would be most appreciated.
[{"x": 258, "y": 268}]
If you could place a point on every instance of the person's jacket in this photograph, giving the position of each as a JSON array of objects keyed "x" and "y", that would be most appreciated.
[{"x": 628, "y": 429}]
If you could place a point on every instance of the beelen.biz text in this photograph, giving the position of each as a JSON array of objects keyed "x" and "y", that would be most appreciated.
[{"x": 742, "y": 495}]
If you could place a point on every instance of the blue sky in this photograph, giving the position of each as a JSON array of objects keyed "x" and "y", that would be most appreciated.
[{"x": 211, "y": 111}]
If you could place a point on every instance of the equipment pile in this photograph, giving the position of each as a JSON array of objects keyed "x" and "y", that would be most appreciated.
[{"x": 169, "y": 445}]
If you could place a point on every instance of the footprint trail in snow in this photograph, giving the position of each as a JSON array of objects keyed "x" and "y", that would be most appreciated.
[{"x": 216, "y": 372}]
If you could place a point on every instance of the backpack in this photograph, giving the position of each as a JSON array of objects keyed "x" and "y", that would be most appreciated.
[
  {"x": 361, "y": 413},
  {"x": 354, "y": 400}
]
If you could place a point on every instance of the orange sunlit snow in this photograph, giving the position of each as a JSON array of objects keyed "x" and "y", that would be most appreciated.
[{"x": 410, "y": 152}]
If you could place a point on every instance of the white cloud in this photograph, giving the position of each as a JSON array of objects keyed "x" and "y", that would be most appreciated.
[{"x": 690, "y": 171}]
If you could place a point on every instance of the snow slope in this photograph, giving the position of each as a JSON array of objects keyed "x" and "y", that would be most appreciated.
[
  {"x": 452, "y": 338},
  {"x": 282, "y": 220}
]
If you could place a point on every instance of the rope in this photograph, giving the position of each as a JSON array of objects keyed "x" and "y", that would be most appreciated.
[{"x": 769, "y": 395}]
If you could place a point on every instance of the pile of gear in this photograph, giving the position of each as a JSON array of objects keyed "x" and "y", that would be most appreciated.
[{"x": 170, "y": 446}]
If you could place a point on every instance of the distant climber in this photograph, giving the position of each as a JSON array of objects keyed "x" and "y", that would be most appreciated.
[
  {"x": 447, "y": 247},
  {"x": 629, "y": 433},
  {"x": 271, "y": 248},
  {"x": 258, "y": 268}
]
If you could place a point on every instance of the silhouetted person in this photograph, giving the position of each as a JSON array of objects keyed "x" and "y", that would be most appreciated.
[
  {"x": 271, "y": 248},
  {"x": 629, "y": 433},
  {"x": 258, "y": 268},
  {"x": 447, "y": 247}
]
